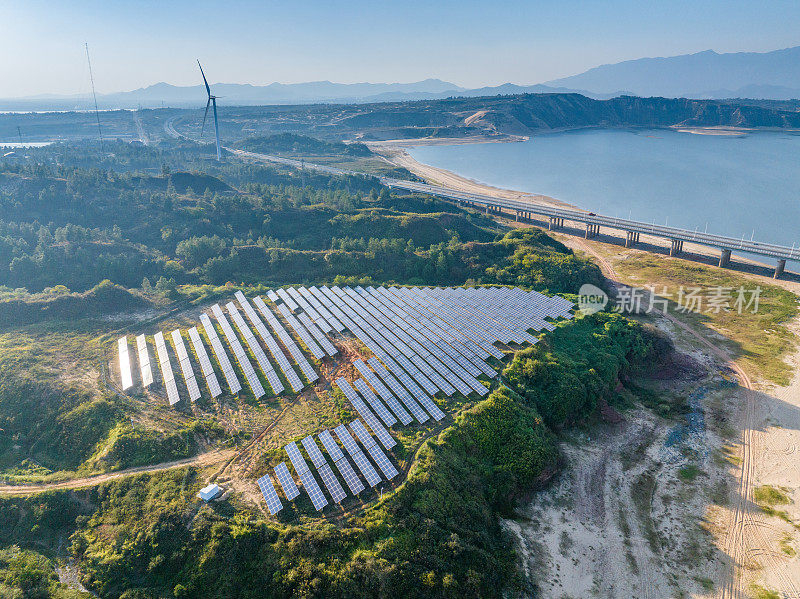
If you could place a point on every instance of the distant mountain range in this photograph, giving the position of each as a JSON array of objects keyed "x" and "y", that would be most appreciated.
[
  {"x": 769, "y": 75},
  {"x": 706, "y": 75}
]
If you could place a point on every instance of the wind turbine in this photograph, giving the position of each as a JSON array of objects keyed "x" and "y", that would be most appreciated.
[{"x": 212, "y": 100}]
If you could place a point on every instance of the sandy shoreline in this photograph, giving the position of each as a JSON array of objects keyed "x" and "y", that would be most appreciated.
[{"x": 395, "y": 153}]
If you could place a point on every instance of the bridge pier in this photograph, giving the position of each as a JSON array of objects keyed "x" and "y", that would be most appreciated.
[
  {"x": 631, "y": 238},
  {"x": 724, "y": 258},
  {"x": 779, "y": 268},
  {"x": 592, "y": 230},
  {"x": 676, "y": 247},
  {"x": 553, "y": 223}
]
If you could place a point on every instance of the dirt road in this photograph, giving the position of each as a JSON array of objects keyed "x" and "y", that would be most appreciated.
[{"x": 204, "y": 459}]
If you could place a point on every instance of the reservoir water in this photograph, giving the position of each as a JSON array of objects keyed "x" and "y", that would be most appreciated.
[{"x": 734, "y": 185}]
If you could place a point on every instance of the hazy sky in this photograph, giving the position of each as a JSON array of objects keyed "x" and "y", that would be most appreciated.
[{"x": 137, "y": 43}]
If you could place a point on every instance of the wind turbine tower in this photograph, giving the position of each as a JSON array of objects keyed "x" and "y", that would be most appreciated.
[{"x": 212, "y": 101}]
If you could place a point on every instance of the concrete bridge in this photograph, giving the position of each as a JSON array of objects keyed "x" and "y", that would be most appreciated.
[{"x": 556, "y": 217}]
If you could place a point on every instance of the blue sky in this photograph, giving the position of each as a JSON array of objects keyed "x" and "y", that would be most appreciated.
[{"x": 137, "y": 43}]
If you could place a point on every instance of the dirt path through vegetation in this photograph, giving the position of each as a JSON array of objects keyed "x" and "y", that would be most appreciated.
[{"x": 201, "y": 460}]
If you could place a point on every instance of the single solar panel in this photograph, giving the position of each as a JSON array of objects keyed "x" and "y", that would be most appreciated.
[
  {"x": 331, "y": 483},
  {"x": 330, "y": 445},
  {"x": 312, "y": 488},
  {"x": 296, "y": 457},
  {"x": 124, "y": 363},
  {"x": 144, "y": 360},
  {"x": 290, "y": 489},
  {"x": 313, "y": 451},
  {"x": 274, "y": 504}
]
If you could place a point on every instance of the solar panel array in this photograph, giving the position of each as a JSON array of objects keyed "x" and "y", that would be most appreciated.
[
  {"x": 124, "y": 363},
  {"x": 424, "y": 341}
]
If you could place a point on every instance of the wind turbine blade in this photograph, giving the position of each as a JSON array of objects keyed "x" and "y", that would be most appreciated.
[
  {"x": 203, "y": 128},
  {"x": 208, "y": 89}
]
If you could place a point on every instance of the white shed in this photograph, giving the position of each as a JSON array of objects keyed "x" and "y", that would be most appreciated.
[{"x": 208, "y": 493}]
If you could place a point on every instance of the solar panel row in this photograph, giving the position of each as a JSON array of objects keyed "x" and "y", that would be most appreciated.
[
  {"x": 382, "y": 391},
  {"x": 360, "y": 460},
  {"x": 205, "y": 363},
  {"x": 383, "y": 435},
  {"x": 186, "y": 365},
  {"x": 166, "y": 369},
  {"x": 255, "y": 349},
  {"x": 269, "y": 341},
  {"x": 286, "y": 339},
  {"x": 309, "y": 482},
  {"x": 124, "y": 363},
  {"x": 389, "y": 471},
  {"x": 341, "y": 463},
  {"x": 287, "y": 300},
  {"x": 222, "y": 356},
  {"x": 144, "y": 360},
  {"x": 241, "y": 357},
  {"x": 312, "y": 346}
]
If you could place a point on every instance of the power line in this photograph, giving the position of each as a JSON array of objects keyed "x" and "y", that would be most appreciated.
[{"x": 94, "y": 95}]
